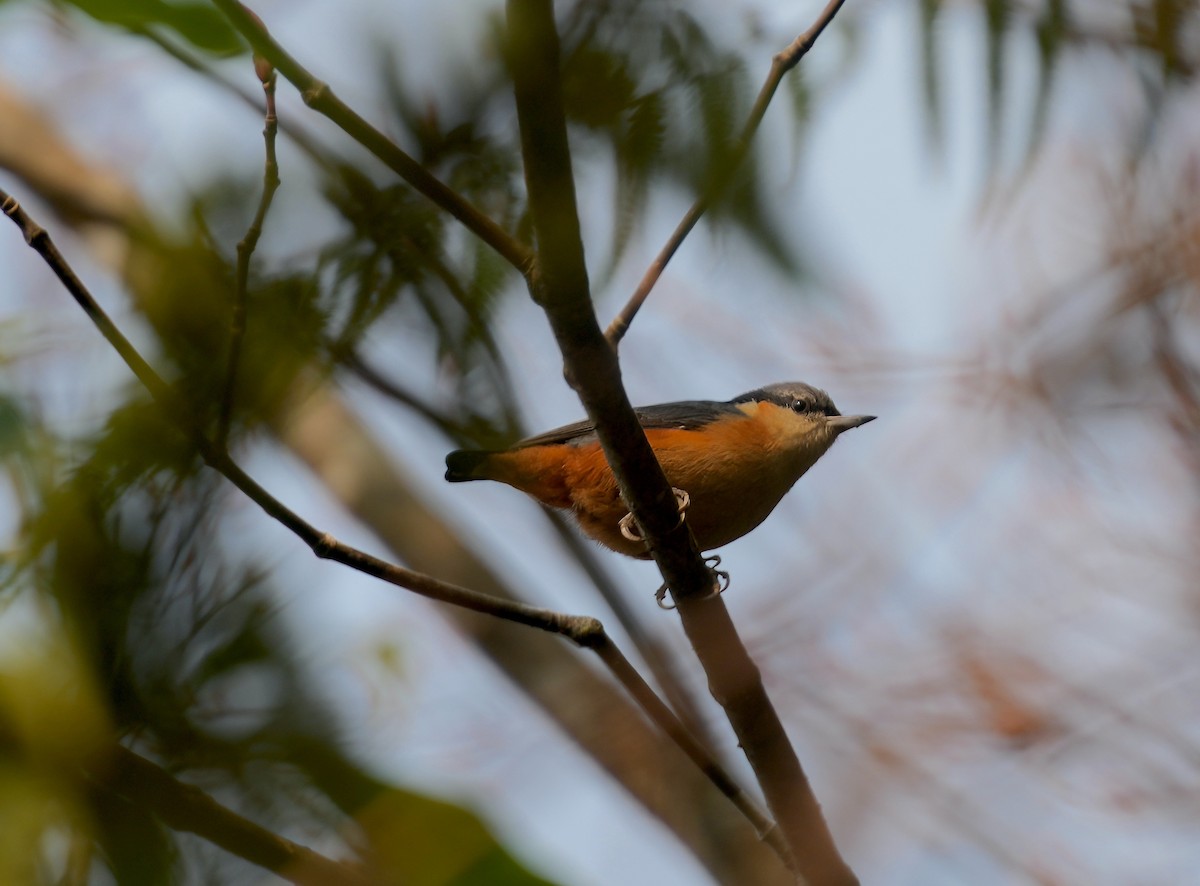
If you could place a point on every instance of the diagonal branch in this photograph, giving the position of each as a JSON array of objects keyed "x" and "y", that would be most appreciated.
[
  {"x": 561, "y": 288},
  {"x": 318, "y": 96},
  {"x": 781, "y": 63},
  {"x": 584, "y": 631},
  {"x": 662, "y": 664},
  {"x": 184, "y": 807}
]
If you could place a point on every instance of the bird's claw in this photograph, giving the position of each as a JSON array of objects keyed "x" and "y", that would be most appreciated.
[
  {"x": 720, "y": 583},
  {"x": 720, "y": 576},
  {"x": 629, "y": 527}
]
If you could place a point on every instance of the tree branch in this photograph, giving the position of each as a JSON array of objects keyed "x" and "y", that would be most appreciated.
[
  {"x": 318, "y": 96},
  {"x": 781, "y": 63},
  {"x": 592, "y": 369},
  {"x": 666, "y": 719},
  {"x": 184, "y": 807},
  {"x": 662, "y": 665}
]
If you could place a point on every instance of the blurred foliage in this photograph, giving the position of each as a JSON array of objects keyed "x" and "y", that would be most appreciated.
[
  {"x": 197, "y": 22},
  {"x": 52, "y": 723},
  {"x": 395, "y": 821},
  {"x": 393, "y": 259},
  {"x": 652, "y": 83},
  {"x": 1151, "y": 34},
  {"x": 150, "y": 630},
  {"x": 647, "y": 85}
]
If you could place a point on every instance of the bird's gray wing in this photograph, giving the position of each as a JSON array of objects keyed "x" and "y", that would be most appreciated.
[{"x": 684, "y": 415}]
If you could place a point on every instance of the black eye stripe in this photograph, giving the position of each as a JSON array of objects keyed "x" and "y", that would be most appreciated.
[{"x": 802, "y": 405}]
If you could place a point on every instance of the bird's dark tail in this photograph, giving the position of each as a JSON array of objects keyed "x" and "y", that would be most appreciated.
[{"x": 461, "y": 465}]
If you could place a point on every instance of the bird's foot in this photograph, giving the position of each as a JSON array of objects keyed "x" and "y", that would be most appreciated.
[
  {"x": 629, "y": 527},
  {"x": 720, "y": 583},
  {"x": 720, "y": 576}
]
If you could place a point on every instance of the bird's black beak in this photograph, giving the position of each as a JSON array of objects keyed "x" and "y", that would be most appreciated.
[{"x": 845, "y": 422}]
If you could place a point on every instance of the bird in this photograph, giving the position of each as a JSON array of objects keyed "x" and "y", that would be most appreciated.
[{"x": 729, "y": 462}]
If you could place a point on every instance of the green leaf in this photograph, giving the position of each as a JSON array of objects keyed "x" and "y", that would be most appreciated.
[
  {"x": 14, "y": 428},
  {"x": 196, "y": 22},
  {"x": 637, "y": 148},
  {"x": 1051, "y": 31},
  {"x": 998, "y": 17},
  {"x": 133, "y": 842},
  {"x": 931, "y": 77},
  {"x": 419, "y": 841}
]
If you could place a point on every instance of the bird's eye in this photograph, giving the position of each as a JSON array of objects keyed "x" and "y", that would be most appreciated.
[{"x": 801, "y": 406}]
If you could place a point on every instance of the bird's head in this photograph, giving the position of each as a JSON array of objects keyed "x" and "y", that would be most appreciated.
[{"x": 802, "y": 417}]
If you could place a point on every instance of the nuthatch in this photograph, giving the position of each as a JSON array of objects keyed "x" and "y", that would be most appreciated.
[{"x": 729, "y": 463}]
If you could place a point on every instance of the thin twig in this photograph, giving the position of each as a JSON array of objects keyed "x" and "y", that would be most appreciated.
[
  {"x": 245, "y": 249},
  {"x": 584, "y": 631},
  {"x": 318, "y": 96},
  {"x": 666, "y": 720},
  {"x": 322, "y": 544},
  {"x": 658, "y": 659},
  {"x": 561, "y": 288},
  {"x": 781, "y": 63},
  {"x": 39, "y": 240},
  {"x": 1180, "y": 377},
  {"x": 353, "y": 361},
  {"x": 184, "y": 807}
]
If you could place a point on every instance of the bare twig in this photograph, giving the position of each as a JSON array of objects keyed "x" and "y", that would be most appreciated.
[
  {"x": 318, "y": 96},
  {"x": 658, "y": 658},
  {"x": 184, "y": 807},
  {"x": 584, "y": 631},
  {"x": 1181, "y": 378},
  {"x": 781, "y": 63},
  {"x": 666, "y": 719},
  {"x": 39, "y": 240},
  {"x": 366, "y": 372},
  {"x": 561, "y": 288},
  {"x": 245, "y": 249}
]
